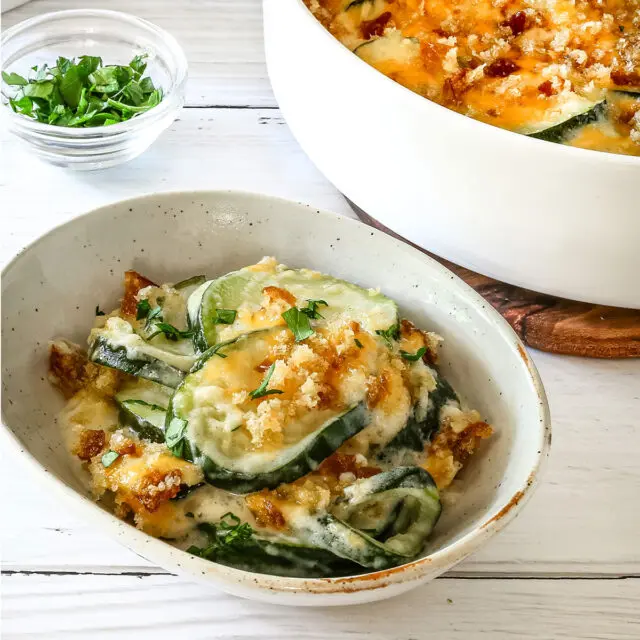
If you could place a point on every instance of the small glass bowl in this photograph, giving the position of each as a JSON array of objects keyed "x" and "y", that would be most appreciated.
[{"x": 117, "y": 38}]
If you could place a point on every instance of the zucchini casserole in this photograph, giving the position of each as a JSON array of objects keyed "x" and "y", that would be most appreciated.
[
  {"x": 275, "y": 420},
  {"x": 566, "y": 71}
]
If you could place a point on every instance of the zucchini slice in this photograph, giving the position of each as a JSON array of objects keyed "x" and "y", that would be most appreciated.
[
  {"x": 242, "y": 291},
  {"x": 206, "y": 424},
  {"x": 116, "y": 345},
  {"x": 572, "y": 116},
  {"x": 392, "y": 46},
  {"x": 143, "y": 408},
  {"x": 147, "y": 420},
  {"x": 420, "y": 428},
  {"x": 383, "y": 521},
  {"x": 283, "y": 557},
  {"x": 188, "y": 286}
]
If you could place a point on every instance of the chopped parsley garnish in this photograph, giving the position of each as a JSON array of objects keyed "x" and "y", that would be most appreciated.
[
  {"x": 189, "y": 514},
  {"x": 358, "y": 343},
  {"x": 99, "y": 312},
  {"x": 229, "y": 533},
  {"x": 262, "y": 390},
  {"x": 298, "y": 323},
  {"x": 413, "y": 357},
  {"x": 142, "y": 309},
  {"x": 174, "y": 436},
  {"x": 170, "y": 332},
  {"x": 392, "y": 333},
  {"x": 311, "y": 310},
  {"x": 83, "y": 92},
  {"x": 109, "y": 458},
  {"x": 224, "y": 316}
]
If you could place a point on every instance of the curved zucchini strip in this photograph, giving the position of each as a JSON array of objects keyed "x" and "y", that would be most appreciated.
[
  {"x": 392, "y": 46},
  {"x": 253, "y": 472},
  {"x": 572, "y": 117},
  {"x": 417, "y": 432},
  {"x": 384, "y": 520},
  {"x": 106, "y": 354},
  {"x": 282, "y": 557},
  {"x": 145, "y": 419},
  {"x": 188, "y": 286},
  {"x": 242, "y": 291}
]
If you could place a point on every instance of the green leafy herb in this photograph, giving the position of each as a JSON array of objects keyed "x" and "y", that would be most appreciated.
[
  {"x": 170, "y": 332},
  {"x": 99, "y": 312},
  {"x": 413, "y": 357},
  {"x": 14, "y": 79},
  {"x": 83, "y": 92},
  {"x": 142, "y": 309},
  {"x": 174, "y": 436},
  {"x": 212, "y": 351},
  {"x": 109, "y": 458},
  {"x": 224, "y": 316},
  {"x": 229, "y": 533},
  {"x": 189, "y": 514},
  {"x": 154, "y": 315},
  {"x": 298, "y": 323},
  {"x": 262, "y": 390},
  {"x": 358, "y": 343},
  {"x": 311, "y": 310},
  {"x": 392, "y": 333}
]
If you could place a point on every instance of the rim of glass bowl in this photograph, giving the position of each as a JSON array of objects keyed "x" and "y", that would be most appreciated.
[{"x": 172, "y": 95}]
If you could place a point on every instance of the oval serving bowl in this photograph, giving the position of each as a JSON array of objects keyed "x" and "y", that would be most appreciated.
[
  {"x": 543, "y": 216},
  {"x": 52, "y": 288}
]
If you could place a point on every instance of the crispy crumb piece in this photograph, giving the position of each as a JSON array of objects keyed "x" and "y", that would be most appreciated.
[
  {"x": 133, "y": 283},
  {"x": 89, "y": 444}
]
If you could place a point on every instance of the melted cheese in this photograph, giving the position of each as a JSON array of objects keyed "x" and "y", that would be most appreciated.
[{"x": 525, "y": 65}]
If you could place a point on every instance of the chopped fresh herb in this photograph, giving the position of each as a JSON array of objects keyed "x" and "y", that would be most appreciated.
[
  {"x": 392, "y": 333},
  {"x": 99, "y": 312},
  {"x": 109, "y": 458},
  {"x": 358, "y": 343},
  {"x": 83, "y": 92},
  {"x": 413, "y": 357},
  {"x": 189, "y": 514},
  {"x": 298, "y": 323},
  {"x": 174, "y": 436},
  {"x": 224, "y": 316},
  {"x": 229, "y": 533},
  {"x": 311, "y": 310},
  {"x": 170, "y": 332},
  {"x": 262, "y": 390},
  {"x": 154, "y": 315},
  {"x": 142, "y": 310}
]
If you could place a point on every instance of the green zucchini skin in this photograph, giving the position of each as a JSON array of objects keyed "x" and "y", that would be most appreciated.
[
  {"x": 412, "y": 496},
  {"x": 303, "y": 459},
  {"x": 289, "y": 559},
  {"x": 101, "y": 352},
  {"x": 194, "y": 281},
  {"x": 417, "y": 433},
  {"x": 233, "y": 289},
  {"x": 563, "y": 131},
  {"x": 143, "y": 418}
]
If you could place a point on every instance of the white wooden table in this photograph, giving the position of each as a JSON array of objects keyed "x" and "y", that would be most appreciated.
[{"x": 568, "y": 568}]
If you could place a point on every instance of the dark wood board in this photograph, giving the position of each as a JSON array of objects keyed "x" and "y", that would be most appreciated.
[{"x": 545, "y": 322}]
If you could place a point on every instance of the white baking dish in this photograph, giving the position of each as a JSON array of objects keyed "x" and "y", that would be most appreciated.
[{"x": 544, "y": 216}]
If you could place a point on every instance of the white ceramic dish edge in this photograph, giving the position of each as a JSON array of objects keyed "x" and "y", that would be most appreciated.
[
  {"x": 352, "y": 590},
  {"x": 547, "y": 217}
]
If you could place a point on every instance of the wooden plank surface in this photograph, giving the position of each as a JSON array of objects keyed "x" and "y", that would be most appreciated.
[{"x": 109, "y": 607}]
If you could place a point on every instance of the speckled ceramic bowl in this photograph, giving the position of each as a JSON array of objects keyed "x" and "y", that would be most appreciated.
[{"x": 52, "y": 288}]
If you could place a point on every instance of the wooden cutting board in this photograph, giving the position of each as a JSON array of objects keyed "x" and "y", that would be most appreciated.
[{"x": 548, "y": 323}]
